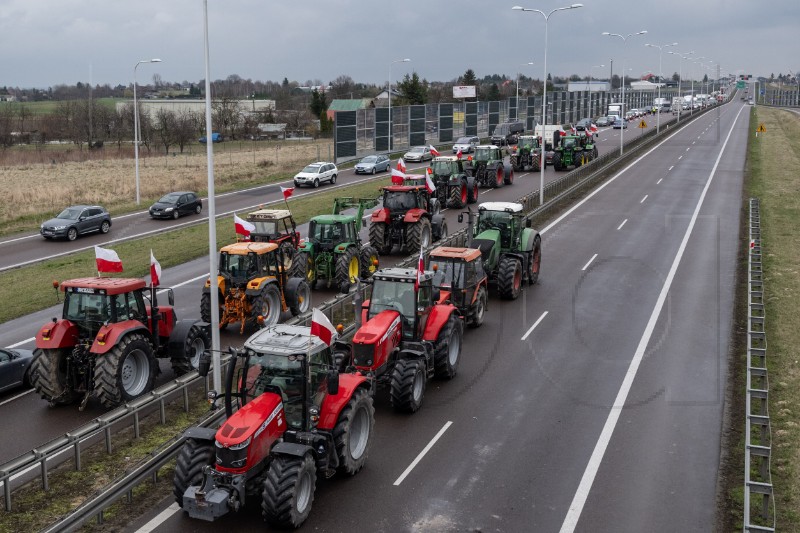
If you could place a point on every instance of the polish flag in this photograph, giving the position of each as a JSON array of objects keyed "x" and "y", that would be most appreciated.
[
  {"x": 401, "y": 165},
  {"x": 287, "y": 192},
  {"x": 459, "y": 155},
  {"x": 752, "y": 244},
  {"x": 243, "y": 227},
  {"x": 107, "y": 260},
  {"x": 594, "y": 128},
  {"x": 321, "y": 327},
  {"x": 398, "y": 176},
  {"x": 434, "y": 151},
  {"x": 420, "y": 269},
  {"x": 155, "y": 271},
  {"x": 429, "y": 183}
]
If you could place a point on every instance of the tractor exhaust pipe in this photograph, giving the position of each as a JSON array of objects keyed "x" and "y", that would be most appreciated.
[{"x": 358, "y": 299}]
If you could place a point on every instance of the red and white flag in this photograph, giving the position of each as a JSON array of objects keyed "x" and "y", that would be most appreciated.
[
  {"x": 398, "y": 176},
  {"x": 459, "y": 155},
  {"x": 321, "y": 327},
  {"x": 434, "y": 151},
  {"x": 243, "y": 227},
  {"x": 594, "y": 128},
  {"x": 420, "y": 270},
  {"x": 429, "y": 185},
  {"x": 287, "y": 192},
  {"x": 155, "y": 271},
  {"x": 107, "y": 260},
  {"x": 401, "y": 165}
]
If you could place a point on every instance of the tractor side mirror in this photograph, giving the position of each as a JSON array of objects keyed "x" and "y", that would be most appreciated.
[
  {"x": 204, "y": 365},
  {"x": 460, "y": 218},
  {"x": 528, "y": 223},
  {"x": 436, "y": 294},
  {"x": 171, "y": 297},
  {"x": 344, "y": 288},
  {"x": 333, "y": 382}
]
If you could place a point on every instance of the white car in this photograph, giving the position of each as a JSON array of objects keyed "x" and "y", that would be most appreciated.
[
  {"x": 316, "y": 173},
  {"x": 418, "y": 153},
  {"x": 466, "y": 145}
]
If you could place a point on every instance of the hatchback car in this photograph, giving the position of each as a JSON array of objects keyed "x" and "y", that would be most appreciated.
[
  {"x": 602, "y": 122},
  {"x": 466, "y": 145},
  {"x": 175, "y": 204},
  {"x": 316, "y": 173},
  {"x": 583, "y": 124},
  {"x": 14, "y": 366},
  {"x": 418, "y": 153},
  {"x": 372, "y": 164},
  {"x": 77, "y": 220}
]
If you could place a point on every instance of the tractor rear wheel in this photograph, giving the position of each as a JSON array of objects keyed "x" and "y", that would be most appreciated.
[
  {"x": 378, "y": 238},
  {"x": 303, "y": 267},
  {"x": 288, "y": 251},
  {"x": 479, "y": 308},
  {"x": 448, "y": 348},
  {"x": 347, "y": 267},
  {"x": 458, "y": 195},
  {"x": 197, "y": 341},
  {"x": 205, "y": 309},
  {"x": 298, "y": 296},
  {"x": 509, "y": 278},
  {"x": 473, "y": 193},
  {"x": 288, "y": 491},
  {"x": 557, "y": 161},
  {"x": 535, "y": 163},
  {"x": 125, "y": 372},
  {"x": 508, "y": 175},
  {"x": 194, "y": 455},
  {"x": 353, "y": 432},
  {"x": 48, "y": 375},
  {"x": 499, "y": 177},
  {"x": 267, "y": 305},
  {"x": 407, "y": 385},
  {"x": 369, "y": 261},
  {"x": 535, "y": 261},
  {"x": 418, "y": 235}
]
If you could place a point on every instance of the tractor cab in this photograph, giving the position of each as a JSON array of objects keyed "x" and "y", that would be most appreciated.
[
  {"x": 273, "y": 225},
  {"x": 570, "y": 142},
  {"x": 241, "y": 263},
  {"x": 487, "y": 154},
  {"x": 502, "y": 220},
  {"x": 393, "y": 289},
  {"x": 528, "y": 142},
  {"x": 446, "y": 166},
  {"x": 457, "y": 273},
  {"x": 328, "y": 231},
  {"x": 399, "y": 199}
]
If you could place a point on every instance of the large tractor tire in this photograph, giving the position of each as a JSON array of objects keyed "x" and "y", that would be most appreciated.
[
  {"x": 407, "y": 385},
  {"x": 347, "y": 267},
  {"x": 458, "y": 195},
  {"x": 288, "y": 251},
  {"x": 418, "y": 235},
  {"x": 473, "y": 192},
  {"x": 205, "y": 308},
  {"x": 498, "y": 177},
  {"x": 439, "y": 228},
  {"x": 267, "y": 305},
  {"x": 535, "y": 163},
  {"x": 594, "y": 152},
  {"x": 535, "y": 261},
  {"x": 303, "y": 267},
  {"x": 509, "y": 278},
  {"x": 197, "y": 341},
  {"x": 508, "y": 175},
  {"x": 353, "y": 432},
  {"x": 379, "y": 239},
  {"x": 370, "y": 261},
  {"x": 48, "y": 375},
  {"x": 479, "y": 308},
  {"x": 127, "y": 371},
  {"x": 194, "y": 455},
  {"x": 288, "y": 491},
  {"x": 298, "y": 296},
  {"x": 448, "y": 348},
  {"x": 557, "y": 161}
]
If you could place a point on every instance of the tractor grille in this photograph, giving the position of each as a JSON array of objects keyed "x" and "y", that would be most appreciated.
[
  {"x": 363, "y": 354},
  {"x": 228, "y": 458}
]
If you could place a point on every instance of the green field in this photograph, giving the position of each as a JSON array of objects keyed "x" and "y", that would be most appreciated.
[{"x": 49, "y": 107}]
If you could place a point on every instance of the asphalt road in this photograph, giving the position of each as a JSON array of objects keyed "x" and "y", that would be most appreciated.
[{"x": 595, "y": 401}]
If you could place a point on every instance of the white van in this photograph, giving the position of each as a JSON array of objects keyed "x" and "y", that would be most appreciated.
[{"x": 549, "y": 131}]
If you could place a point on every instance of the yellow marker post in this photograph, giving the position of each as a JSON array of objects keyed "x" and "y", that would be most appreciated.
[{"x": 642, "y": 124}]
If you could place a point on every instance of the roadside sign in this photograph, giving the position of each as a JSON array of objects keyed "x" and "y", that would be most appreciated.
[
  {"x": 643, "y": 124},
  {"x": 740, "y": 84},
  {"x": 761, "y": 128}
]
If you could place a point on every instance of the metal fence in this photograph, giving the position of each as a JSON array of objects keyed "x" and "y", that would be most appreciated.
[
  {"x": 758, "y": 497},
  {"x": 789, "y": 97}
]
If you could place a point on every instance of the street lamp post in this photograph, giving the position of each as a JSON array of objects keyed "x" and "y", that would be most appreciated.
[
  {"x": 544, "y": 87},
  {"x": 136, "y": 123},
  {"x": 660, "y": 80},
  {"x": 521, "y": 65},
  {"x": 682, "y": 56},
  {"x": 624, "y": 40},
  {"x": 406, "y": 60},
  {"x": 589, "y": 86},
  {"x": 696, "y": 61}
]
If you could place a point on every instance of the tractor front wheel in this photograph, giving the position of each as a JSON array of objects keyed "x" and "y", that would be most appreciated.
[
  {"x": 288, "y": 491},
  {"x": 267, "y": 305},
  {"x": 347, "y": 267},
  {"x": 205, "y": 309},
  {"x": 499, "y": 177},
  {"x": 303, "y": 267},
  {"x": 508, "y": 175},
  {"x": 369, "y": 261},
  {"x": 195, "y": 454},
  {"x": 378, "y": 238},
  {"x": 127, "y": 371},
  {"x": 48, "y": 375},
  {"x": 535, "y": 261},
  {"x": 353, "y": 432},
  {"x": 448, "y": 348},
  {"x": 407, "y": 385},
  {"x": 509, "y": 278},
  {"x": 479, "y": 308},
  {"x": 418, "y": 235},
  {"x": 298, "y": 296},
  {"x": 197, "y": 341},
  {"x": 557, "y": 162}
]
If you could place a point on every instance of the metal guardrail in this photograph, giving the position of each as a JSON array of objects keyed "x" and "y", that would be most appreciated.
[{"x": 757, "y": 429}]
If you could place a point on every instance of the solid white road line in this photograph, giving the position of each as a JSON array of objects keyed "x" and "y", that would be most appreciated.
[
  {"x": 659, "y": 181},
  {"x": 534, "y": 326},
  {"x": 20, "y": 395},
  {"x": 623, "y": 223},
  {"x": 422, "y": 453},
  {"x": 159, "y": 519},
  {"x": 643, "y": 199},
  {"x": 589, "y": 262},
  {"x": 576, "y": 507},
  {"x": 20, "y": 343}
]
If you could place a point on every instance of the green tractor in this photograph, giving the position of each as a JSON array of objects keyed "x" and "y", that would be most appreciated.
[
  {"x": 333, "y": 251},
  {"x": 568, "y": 153},
  {"x": 527, "y": 153},
  {"x": 454, "y": 188},
  {"x": 589, "y": 147},
  {"x": 488, "y": 168},
  {"x": 510, "y": 249}
]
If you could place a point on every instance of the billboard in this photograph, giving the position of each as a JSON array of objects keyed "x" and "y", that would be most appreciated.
[{"x": 463, "y": 91}]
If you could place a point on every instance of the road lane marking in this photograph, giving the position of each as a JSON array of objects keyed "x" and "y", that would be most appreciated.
[
  {"x": 159, "y": 519},
  {"x": 589, "y": 262},
  {"x": 670, "y": 168},
  {"x": 659, "y": 181},
  {"x": 643, "y": 199},
  {"x": 587, "y": 480},
  {"x": 623, "y": 223},
  {"x": 20, "y": 343},
  {"x": 20, "y": 395},
  {"x": 687, "y": 148},
  {"x": 422, "y": 453},
  {"x": 680, "y": 157},
  {"x": 534, "y": 326},
  {"x": 694, "y": 142}
]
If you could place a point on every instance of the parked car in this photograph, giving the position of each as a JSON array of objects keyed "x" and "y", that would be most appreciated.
[
  {"x": 418, "y": 153},
  {"x": 620, "y": 124},
  {"x": 466, "y": 144},
  {"x": 602, "y": 122},
  {"x": 77, "y": 220},
  {"x": 175, "y": 204},
  {"x": 372, "y": 164},
  {"x": 14, "y": 365},
  {"x": 215, "y": 138},
  {"x": 316, "y": 173}
]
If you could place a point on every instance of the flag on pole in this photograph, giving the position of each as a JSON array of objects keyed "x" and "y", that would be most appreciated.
[
  {"x": 155, "y": 270},
  {"x": 434, "y": 151},
  {"x": 459, "y": 155},
  {"x": 321, "y": 327},
  {"x": 398, "y": 176},
  {"x": 420, "y": 270},
  {"x": 429, "y": 185},
  {"x": 287, "y": 192},
  {"x": 243, "y": 227},
  {"x": 401, "y": 165},
  {"x": 107, "y": 260}
]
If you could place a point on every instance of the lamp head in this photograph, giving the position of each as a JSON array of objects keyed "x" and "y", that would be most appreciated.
[{"x": 155, "y": 61}]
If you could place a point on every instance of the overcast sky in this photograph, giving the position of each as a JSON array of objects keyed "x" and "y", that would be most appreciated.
[{"x": 49, "y": 42}]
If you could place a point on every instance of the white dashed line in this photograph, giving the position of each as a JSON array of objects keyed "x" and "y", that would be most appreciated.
[
  {"x": 687, "y": 148},
  {"x": 680, "y": 157},
  {"x": 590, "y": 262},
  {"x": 534, "y": 326},
  {"x": 670, "y": 168},
  {"x": 659, "y": 181},
  {"x": 643, "y": 199},
  {"x": 623, "y": 223},
  {"x": 422, "y": 453}
]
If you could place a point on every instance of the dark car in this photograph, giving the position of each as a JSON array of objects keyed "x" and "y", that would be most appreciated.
[
  {"x": 175, "y": 204},
  {"x": 507, "y": 133},
  {"x": 372, "y": 164},
  {"x": 77, "y": 220},
  {"x": 14, "y": 365},
  {"x": 583, "y": 124}
]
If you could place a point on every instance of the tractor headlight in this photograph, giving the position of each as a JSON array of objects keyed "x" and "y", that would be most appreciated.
[{"x": 243, "y": 444}]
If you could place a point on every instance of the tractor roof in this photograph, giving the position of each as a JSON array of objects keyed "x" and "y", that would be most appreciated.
[
  {"x": 447, "y": 158},
  {"x": 283, "y": 339},
  {"x": 404, "y": 188},
  {"x": 405, "y": 275},
  {"x": 269, "y": 214},
  {"x": 333, "y": 219},
  {"x": 244, "y": 248},
  {"x": 104, "y": 285},
  {"x": 487, "y": 146},
  {"x": 465, "y": 254},
  {"x": 508, "y": 207}
]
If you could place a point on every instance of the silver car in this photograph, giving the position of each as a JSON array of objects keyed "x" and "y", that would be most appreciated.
[
  {"x": 372, "y": 164},
  {"x": 418, "y": 153},
  {"x": 466, "y": 144},
  {"x": 316, "y": 173},
  {"x": 14, "y": 366}
]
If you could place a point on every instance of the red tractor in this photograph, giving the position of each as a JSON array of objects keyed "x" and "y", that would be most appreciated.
[
  {"x": 297, "y": 418},
  {"x": 405, "y": 337},
  {"x": 409, "y": 218},
  {"x": 107, "y": 341},
  {"x": 459, "y": 275}
]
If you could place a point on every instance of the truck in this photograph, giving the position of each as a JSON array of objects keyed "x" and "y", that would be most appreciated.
[
  {"x": 677, "y": 105},
  {"x": 616, "y": 109}
]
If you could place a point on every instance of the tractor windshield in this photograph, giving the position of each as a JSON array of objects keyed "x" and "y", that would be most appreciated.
[
  {"x": 395, "y": 295},
  {"x": 238, "y": 266},
  {"x": 569, "y": 142},
  {"x": 265, "y": 227},
  {"x": 494, "y": 220},
  {"x": 400, "y": 200},
  {"x": 444, "y": 168},
  {"x": 82, "y": 308},
  {"x": 448, "y": 272},
  {"x": 282, "y": 375},
  {"x": 326, "y": 233},
  {"x": 483, "y": 154}
]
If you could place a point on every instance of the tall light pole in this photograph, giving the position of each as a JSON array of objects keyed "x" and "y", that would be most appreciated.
[
  {"x": 624, "y": 40},
  {"x": 544, "y": 87},
  {"x": 682, "y": 56},
  {"x": 520, "y": 65},
  {"x": 136, "y": 123},
  {"x": 589, "y": 87},
  {"x": 406, "y": 60},
  {"x": 695, "y": 61},
  {"x": 660, "y": 80}
]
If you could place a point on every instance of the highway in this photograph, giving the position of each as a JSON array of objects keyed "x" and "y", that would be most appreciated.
[{"x": 595, "y": 401}]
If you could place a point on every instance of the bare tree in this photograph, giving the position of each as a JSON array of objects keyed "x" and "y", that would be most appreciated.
[
  {"x": 164, "y": 128},
  {"x": 186, "y": 125},
  {"x": 226, "y": 115}
]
